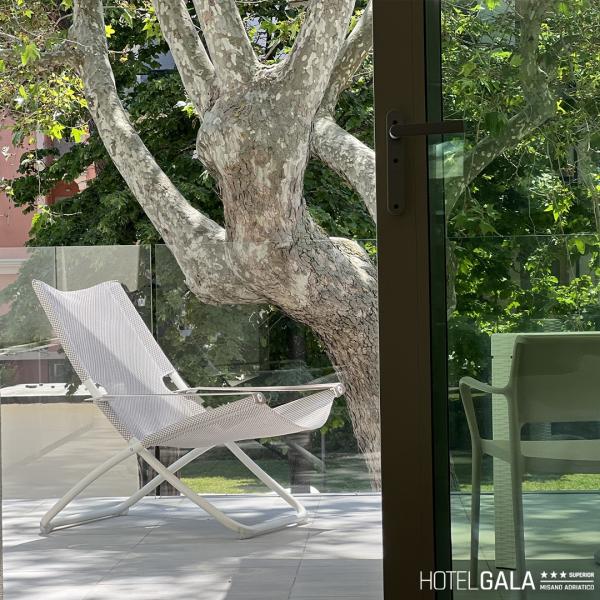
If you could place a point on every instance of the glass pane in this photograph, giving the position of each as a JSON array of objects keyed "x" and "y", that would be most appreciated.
[
  {"x": 256, "y": 345},
  {"x": 216, "y": 136},
  {"x": 523, "y": 295},
  {"x": 52, "y": 434}
]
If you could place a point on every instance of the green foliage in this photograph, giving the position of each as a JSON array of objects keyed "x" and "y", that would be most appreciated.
[
  {"x": 523, "y": 236},
  {"x": 106, "y": 212}
]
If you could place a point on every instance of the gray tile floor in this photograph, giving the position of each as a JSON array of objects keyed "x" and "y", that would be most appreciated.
[
  {"x": 169, "y": 549},
  {"x": 562, "y": 533}
]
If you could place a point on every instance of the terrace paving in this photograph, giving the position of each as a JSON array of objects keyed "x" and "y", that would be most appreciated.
[{"x": 167, "y": 549}]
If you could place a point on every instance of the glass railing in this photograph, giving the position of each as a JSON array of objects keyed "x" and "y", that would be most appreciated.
[{"x": 53, "y": 435}]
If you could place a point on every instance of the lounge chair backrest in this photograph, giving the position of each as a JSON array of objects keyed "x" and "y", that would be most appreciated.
[
  {"x": 105, "y": 338},
  {"x": 556, "y": 378}
]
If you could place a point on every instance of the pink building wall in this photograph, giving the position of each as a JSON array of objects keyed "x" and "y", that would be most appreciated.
[{"x": 14, "y": 224}]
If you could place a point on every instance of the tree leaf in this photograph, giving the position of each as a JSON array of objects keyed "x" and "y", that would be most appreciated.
[
  {"x": 495, "y": 122},
  {"x": 516, "y": 60},
  {"x": 77, "y": 134},
  {"x": 29, "y": 53}
]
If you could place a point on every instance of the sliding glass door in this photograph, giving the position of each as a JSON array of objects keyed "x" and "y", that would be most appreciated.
[
  {"x": 514, "y": 221},
  {"x": 489, "y": 249}
]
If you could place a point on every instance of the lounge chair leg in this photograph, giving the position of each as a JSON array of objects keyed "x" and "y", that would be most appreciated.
[
  {"x": 475, "y": 515},
  {"x": 268, "y": 480},
  {"x": 244, "y": 531},
  {"x": 156, "y": 481},
  {"x": 48, "y": 522}
]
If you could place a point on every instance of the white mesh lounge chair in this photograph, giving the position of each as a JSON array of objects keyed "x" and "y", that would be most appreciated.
[{"x": 125, "y": 372}]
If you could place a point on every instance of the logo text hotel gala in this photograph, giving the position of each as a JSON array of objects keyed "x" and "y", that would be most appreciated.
[{"x": 558, "y": 581}]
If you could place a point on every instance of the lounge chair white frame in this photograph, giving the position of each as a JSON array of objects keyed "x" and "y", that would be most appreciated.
[
  {"x": 554, "y": 378},
  {"x": 96, "y": 298}
]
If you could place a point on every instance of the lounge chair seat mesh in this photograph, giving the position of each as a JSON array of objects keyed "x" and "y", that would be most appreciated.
[{"x": 107, "y": 342}]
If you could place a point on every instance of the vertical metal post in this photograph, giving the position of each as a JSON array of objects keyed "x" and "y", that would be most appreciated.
[{"x": 404, "y": 305}]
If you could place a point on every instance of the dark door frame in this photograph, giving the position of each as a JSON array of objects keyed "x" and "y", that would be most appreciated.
[{"x": 416, "y": 513}]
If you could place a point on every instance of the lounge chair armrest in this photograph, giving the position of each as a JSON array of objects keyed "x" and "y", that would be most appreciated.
[
  {"x": 174, "y": 394},
  {"x": 337, "y": 387}
]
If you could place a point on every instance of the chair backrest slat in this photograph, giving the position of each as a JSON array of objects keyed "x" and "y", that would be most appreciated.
[
  {"x": 105, "y": 338},
  {"x": 556, "y": 378}
]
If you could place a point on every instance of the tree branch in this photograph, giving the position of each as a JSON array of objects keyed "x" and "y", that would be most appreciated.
[
  {"x": 353, "y": 53},
  {"x": 347, "y": 156},
  {"x": 539, "y": 102},
  {"x": 308, "y": 67},
  {"x": 338, "y": 149},
  {"x": 228, "y": 43},
  {"x": 168, "y": 210},
  {"x": 193, "y": 64},
  {"x": 211, "y": 273},
  {"x": 490, "y": 148},
  {"x": 65, "y": 55},
  {"x": 197, "y": 242},
  {"x": 533, "y": 80}
]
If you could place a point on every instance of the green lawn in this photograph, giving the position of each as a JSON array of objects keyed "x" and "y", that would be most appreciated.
[
  {"x": 229, "y": 476},
  {"x": 346, "y": 473},
  {"x": 571, "y": 483},
  {"x": 531, "y": 483}
]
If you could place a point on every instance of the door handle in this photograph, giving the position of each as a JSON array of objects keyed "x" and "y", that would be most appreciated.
[{"x": 396, "y": 130}]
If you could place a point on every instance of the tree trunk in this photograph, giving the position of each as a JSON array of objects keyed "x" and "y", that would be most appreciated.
[
  {"x": 275, "y": 249},
  {"x": 356, "y": 347}
]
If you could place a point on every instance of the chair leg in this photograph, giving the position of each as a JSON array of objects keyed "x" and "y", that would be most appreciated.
[
  {"x": 244, "y": 531},
  {"x": 48, "y": 522},
  {"x": 193, "y": 454},
  {"x": 266, "y": 478},
  {"x": 519, "y": 526},
  {"x": 156, "y": 481},
  {"x": 476, "y": 463}
]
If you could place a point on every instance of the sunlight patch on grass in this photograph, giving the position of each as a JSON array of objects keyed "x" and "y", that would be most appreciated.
[
  {"x": 345, "y": 473},
  {"x": 570, "y": 482},
  {"x": 220, "y": 485}
]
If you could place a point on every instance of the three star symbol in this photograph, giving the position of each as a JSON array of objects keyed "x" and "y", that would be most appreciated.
[{"x": 553, "y": 574}]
